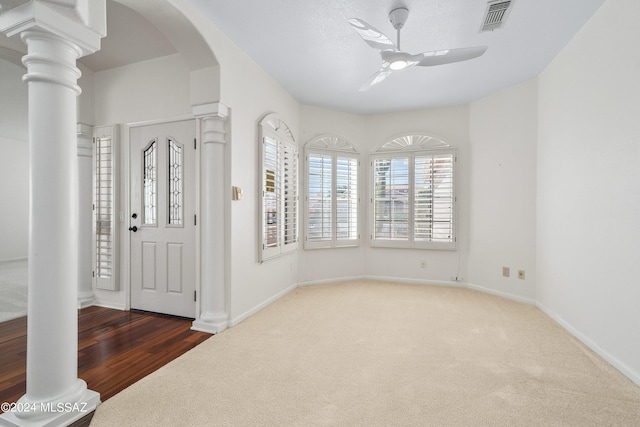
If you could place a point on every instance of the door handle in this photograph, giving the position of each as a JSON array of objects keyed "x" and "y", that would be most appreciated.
[{"x": 134, "y": 228}]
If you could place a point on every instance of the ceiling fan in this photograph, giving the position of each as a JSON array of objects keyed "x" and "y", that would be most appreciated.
[{"x": 393, "y": 59}]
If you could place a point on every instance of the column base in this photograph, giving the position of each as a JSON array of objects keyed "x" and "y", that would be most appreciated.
[
  {"x": 212, "y": 324},
  {"x": 62, "y": 411}
]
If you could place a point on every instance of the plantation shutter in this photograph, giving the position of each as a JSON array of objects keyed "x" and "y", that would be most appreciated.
[
  {"x": 104, "y": 209},
  {"x": 391, "y": 198},
  {"x": 413, "y": 200},
  {"x": 332, "y": 200},
  {"x": 289, "y": 167},
  {"x": 271, "y": 193},
  {"x": 434, "y": 199},
  {"x": 319, "y": 197},
  {"x": 346, "y": 196},
  {"x": 279, "y": 183}
]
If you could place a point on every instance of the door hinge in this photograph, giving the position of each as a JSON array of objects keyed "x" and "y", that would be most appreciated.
[
  {"x": 93, "y": 274},
  {"x": 194, "y": 296},
  {"x": 194, "y": 143},
  {"x": 195, "y": 219}
]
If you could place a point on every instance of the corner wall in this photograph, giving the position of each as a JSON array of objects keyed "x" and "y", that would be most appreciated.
[
  {"x": 367, "y": 133},
  {"x": 588, "y": 194},
  {"x": 250, "y": 93},
  {"x": 320, "y": 265},
  {"x": 502, "y": 213}
]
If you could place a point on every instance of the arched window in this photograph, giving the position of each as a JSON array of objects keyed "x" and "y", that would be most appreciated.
[
  {"x": 413, "y": 198},
  {"x": 332, "y": 198},
  {"x": 279, "y": 183}
]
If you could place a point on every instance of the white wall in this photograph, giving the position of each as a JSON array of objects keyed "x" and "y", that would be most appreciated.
[
  {"x": 14, "y": 209},
  {"x": 164, "y": 88},
  {"x": 588, "y": 185},
  {"x": 86, "y": 100},
  {"x": 251, "y": 94},
  {"x": 503, "y": 130},
  {"x": 148, "y": 90},
  {"x": 13, "y": 102},
  {"x": 319, "y": 265},
  {"x": 450, "y": 124},
  {"x": 14, "y": 162},
  {"x": 367, "y": 133}
]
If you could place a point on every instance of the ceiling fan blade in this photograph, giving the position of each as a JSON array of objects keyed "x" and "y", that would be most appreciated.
[
  {"x": 379, "y": 76},
  {"x": 440, "y": 57},
  {"x": 371, "y": 36}
]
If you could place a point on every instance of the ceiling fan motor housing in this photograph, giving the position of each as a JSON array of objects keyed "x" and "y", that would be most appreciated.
[{"x": 398, "y": 17}]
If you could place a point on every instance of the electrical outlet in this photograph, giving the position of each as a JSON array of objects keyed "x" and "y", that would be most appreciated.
[
  {"x": 423, "y": 264},
  {"x": 505, "y": 271},
  {"x": 521, "y": 274}
]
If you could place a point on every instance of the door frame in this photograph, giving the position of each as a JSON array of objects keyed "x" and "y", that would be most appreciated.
[{"x": 125, "y": 198}]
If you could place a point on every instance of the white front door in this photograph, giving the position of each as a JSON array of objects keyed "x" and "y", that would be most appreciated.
[{"x": 162, "y": 223}]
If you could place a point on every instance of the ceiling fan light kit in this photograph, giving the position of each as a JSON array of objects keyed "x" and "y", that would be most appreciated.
[
  {"x": 393, "y": 59},
  {"x": 398, "y": 65}
]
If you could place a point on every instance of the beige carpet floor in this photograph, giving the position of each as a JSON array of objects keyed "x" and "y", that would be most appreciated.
[{"x": 368, "y": 353}]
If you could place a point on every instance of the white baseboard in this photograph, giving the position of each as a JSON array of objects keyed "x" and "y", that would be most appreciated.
[
  {"x": 257, "y": 308},
  {"x": 334, "y": 280},
  {"x": 109, "y": 305},
  {"x": 624, "y": 369},
  {"x": 417, "y": 281},
  {"x": 501, "y": 294}
]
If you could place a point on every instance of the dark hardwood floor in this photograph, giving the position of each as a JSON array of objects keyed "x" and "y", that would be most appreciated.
[{"x": 115, "y": 349}]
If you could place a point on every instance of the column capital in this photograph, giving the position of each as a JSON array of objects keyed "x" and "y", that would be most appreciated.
[
  {"x": 213, "y": 118},
  {"x": 81, "y": 22},
  {"x": 214, "y": 110}
]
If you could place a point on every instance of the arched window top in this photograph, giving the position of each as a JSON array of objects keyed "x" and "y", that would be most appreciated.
[
  {"x": 413, "y": 142},
  {"x": 276, "y": 125},
  {"x": 331, "y": 142}
]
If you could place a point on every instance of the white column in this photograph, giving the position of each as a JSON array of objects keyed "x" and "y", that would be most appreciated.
[
  {"x": 55, "y": 395},
  {"x": 213, "y": 317},
  {"x": 85, "y": 215}
]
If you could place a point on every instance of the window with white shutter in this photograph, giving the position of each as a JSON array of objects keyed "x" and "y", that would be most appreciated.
[
  {"x": 279, "y": 183},
  {"x": 332, "y": 197},
  {"x": 105, "y": 223},
  {"x": 413, "y": 197}
]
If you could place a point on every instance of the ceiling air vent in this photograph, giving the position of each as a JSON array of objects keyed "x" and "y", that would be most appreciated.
[{"x": 496, "y": 14}]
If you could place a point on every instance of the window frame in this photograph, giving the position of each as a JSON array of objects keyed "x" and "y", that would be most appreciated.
[
  {"x": 409, "y": 147},
  {"x": 333, "y": 147},
  {"x": 285, "y": 182}
]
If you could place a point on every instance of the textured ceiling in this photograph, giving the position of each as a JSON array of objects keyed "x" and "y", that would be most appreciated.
[
  {"x": 311, "y": 50},
  {"x": 130, "y": 38}
]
